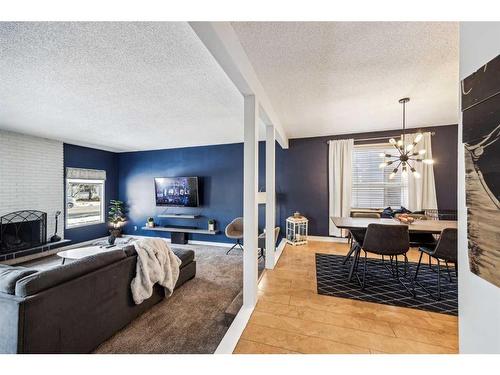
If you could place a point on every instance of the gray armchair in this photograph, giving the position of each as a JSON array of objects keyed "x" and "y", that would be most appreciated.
[
  {"x": 234, "y": 230},
  {"x": 262, "y": 241}
]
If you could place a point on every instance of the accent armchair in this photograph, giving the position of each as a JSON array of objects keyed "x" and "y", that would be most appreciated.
[{"x": 234, "y": 230}]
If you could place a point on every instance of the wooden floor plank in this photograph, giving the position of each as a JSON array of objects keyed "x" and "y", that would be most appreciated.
[
  {"x": 348, "y": 336},
  {"x": 252, "y": 347},
  {"x": 296, "y": 342},
  {"x": 304, "y": 313}
]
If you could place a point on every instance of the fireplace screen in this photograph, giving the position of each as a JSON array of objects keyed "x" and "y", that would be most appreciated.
[{"x": 22, "y": 230}]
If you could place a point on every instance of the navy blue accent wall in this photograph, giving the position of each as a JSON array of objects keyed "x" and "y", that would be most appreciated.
[
  {"x": 302, "y": 175},
  {"x": 220, "y": 172},
  {"x": 84, "y": 157}
]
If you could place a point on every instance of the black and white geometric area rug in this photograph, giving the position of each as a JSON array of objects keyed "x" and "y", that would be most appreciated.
[{"x": 381, "y": 287}]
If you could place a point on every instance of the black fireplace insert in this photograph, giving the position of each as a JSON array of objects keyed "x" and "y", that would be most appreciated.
[{"x": 22, "y": 230}]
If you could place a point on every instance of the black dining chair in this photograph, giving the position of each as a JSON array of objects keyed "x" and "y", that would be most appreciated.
[
  {"x": 356, "y": 236},
  {"x": 385, "y": 240},
  {"x": 445, "y": 250}
]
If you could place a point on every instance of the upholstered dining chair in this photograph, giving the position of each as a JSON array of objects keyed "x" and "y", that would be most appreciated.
[
  {"x": 234, "y": 230},
  {"x": 356, "y": 236},
  {"x": 445, "y": 250},
  {"x": 385, "y": 240}
]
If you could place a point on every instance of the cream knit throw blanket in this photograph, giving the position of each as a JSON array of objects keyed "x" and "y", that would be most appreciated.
[{"x": 156, "y": 263}]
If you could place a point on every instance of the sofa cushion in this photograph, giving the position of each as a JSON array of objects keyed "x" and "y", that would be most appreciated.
[
  {"x": 46, "y": 279},
  {"x": 9, "y": 276},
  {"x": 186, "y": 256}
]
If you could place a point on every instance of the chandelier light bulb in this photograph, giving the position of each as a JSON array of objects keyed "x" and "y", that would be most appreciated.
[
  {"x": 422, "y": 152},
  {"x": 415, "y": 173},
  {"x": 383, "y": 165},
  {"x": 392, "y": 175},
  {"x": 409, "y": 147},
  {"x": 392, "y": 141},
  {"x": 418, "y": 137},
  {"x": 428, "y": 161},
  {"x": 400, "y": 143},
  {"x": 382, "y": 154}
]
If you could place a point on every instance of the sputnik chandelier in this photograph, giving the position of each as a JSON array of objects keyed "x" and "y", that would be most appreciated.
[{"x": 407, "y": 156}]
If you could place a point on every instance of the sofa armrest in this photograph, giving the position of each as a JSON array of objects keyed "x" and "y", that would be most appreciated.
[{"x": 11, "y": 317}]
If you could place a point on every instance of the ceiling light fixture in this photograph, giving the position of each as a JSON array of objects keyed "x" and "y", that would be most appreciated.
[{"x": 407, "y": 157}]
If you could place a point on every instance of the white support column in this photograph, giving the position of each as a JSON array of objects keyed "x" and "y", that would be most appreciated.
[
  {"x": 270, "y": 196},
  {"x": 250, "y": 211}
]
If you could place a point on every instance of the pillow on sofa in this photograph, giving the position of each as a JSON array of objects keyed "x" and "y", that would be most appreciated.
[{"x": 9, "y": 276}]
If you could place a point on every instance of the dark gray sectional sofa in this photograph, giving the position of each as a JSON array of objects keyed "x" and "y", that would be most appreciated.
[{"x": 74, "y": 307}]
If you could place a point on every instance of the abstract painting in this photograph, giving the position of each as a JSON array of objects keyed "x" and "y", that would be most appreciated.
[{"x": 481, "y": 138}]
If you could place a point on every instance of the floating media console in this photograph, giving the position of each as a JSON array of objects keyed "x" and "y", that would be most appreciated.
[
  {"x": 181, "y": 230},
  {"x": 179, "y": 234}
]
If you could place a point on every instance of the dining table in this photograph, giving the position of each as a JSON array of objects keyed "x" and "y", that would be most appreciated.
[{"x": 418, "y": 226}]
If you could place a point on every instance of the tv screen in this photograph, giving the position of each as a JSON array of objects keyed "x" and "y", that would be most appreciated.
[{"x": 176, "y": 191}]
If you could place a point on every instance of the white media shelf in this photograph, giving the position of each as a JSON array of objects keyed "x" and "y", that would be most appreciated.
[
  {"x": 181, "y": 230},
  {"x": 179, "y": 216}
]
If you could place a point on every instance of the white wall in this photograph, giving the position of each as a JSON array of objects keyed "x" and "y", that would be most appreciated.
[
  {"x": 31, "y": 176},
  {"x": 479, "y": 301}
]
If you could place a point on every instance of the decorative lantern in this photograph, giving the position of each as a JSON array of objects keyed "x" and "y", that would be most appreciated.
[{"x": 296, "y": 229}]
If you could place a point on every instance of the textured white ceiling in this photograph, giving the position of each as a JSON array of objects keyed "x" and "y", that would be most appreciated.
[
  {"x": 117, "y": 86},
  {"x": 345, "y": 77}
]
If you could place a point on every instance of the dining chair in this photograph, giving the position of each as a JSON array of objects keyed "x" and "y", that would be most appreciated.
[
  {"x": 356, "y": 236},
  {"x": 445, "y": 250},
  {"x": 385, "y": 240}
]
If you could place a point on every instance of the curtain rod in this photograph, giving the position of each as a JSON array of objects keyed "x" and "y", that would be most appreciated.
[{"x": 370, "y": 139}]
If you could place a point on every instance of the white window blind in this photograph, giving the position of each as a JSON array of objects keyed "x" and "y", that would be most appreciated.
[
  {"x": 371, "y": 185},
  {"x": 85, "y": 174}
]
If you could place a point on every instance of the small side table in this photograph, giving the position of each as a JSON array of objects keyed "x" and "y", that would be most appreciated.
[{"x": 296, "y": 230}]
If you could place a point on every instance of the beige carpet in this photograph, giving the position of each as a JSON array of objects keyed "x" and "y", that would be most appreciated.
[{"x": 192, "y": 319}]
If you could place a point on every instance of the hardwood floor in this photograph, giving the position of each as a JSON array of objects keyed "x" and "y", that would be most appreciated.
[{"x": 290, "y": 317}]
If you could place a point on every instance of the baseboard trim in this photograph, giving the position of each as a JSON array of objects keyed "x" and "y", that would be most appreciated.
[
  {"x": 327, "y": 239},
  {"x": 233, "y": 334},
  {"x": 220, "y": 244},
  {"x": 279, "y": 251}
]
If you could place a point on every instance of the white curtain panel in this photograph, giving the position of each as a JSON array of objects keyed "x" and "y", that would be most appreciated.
[
  {"x": 422, "y": 191},
  {"x": 340, "y": 181}
]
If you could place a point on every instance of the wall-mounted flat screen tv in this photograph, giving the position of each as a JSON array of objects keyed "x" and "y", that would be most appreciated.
[{"x": 176, "y": 191}]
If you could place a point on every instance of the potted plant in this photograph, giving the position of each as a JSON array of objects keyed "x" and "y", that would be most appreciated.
[
  {"x": 116, "y": 217},
  {"x": 150, "y": 223},
  {"x": 211, "y": 224}
]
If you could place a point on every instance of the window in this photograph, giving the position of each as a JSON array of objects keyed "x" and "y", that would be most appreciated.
[
  {"x": 371, "y": 185},
  {"x": 84, "y": 197}
]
